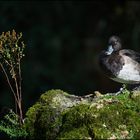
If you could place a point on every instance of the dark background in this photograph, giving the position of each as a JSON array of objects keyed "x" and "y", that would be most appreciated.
[{"x": 63, "y": 41}]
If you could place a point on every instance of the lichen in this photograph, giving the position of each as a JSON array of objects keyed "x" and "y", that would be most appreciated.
[{"x": 59, "y": 115}]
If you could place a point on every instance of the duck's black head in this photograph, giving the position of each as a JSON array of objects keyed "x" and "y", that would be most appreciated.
[{"x": 114, "y": 44}]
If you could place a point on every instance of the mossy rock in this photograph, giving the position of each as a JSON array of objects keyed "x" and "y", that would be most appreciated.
[{"x": 59, "y": 115}]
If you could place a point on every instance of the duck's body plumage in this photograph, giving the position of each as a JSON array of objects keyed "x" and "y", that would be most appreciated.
[{"x": 121, "y": 65}]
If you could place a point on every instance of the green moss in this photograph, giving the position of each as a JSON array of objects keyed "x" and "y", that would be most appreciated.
[
  {"x": 43, "y": 119},
  {"x": 59, "y": 115},
  {"x": 84, "y": 118},
  {"x": 123, "y": 110},
  {"x": 75, "y": 117},
  {"x": 31, "y": 118},
  {"x": 75, "y": 133},
  {"x": 105, "y": 121},
  {"x": 111, "y": 117},
  {"x": 49, "y": 95},
  {"x": 75, "y": 123}
]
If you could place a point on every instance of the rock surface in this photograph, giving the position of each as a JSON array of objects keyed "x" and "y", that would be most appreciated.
[{"x": 59, "y": 115}]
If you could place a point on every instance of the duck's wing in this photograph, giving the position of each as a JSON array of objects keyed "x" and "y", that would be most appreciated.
[{"x": 132, "y": 54}]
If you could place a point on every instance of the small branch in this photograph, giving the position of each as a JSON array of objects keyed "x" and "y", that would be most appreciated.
[
  {"x": 9, "y": 82},
  {"x": 17, "y": 91},
  {"x": 20, "y": 93},
  {"x": 20, "y": 112},
  {"x": 18, "y": 96},
  {"x": 19, "y": 70}
]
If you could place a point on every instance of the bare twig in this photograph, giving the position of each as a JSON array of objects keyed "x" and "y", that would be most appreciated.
[
  {"x": 20, "y": 79},
  {"x": 7, "y": 78},
  {"x": 18, "y": 93}
]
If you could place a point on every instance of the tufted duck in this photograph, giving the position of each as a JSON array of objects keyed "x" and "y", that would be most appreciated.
[{"x": 121, "y": 65}]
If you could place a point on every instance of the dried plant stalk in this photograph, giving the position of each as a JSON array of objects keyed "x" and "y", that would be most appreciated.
[{"x": 11, "y": 53}]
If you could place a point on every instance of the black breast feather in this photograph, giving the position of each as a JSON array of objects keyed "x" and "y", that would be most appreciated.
[{"x": 111, "y": 64}]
